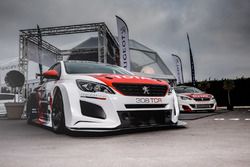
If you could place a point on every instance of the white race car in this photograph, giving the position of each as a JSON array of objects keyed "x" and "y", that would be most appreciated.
[
  {"x": 90, "y": 96},
  {"x": 192, "y": 99}
]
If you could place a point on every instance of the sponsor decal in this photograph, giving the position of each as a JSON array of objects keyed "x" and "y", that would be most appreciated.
[
  {"x": 148, "y": 100},
  {"x": 93, "y": 96},
  {"x": 199, "y": 95},
  {"x": 130, "y": 77},
  {"x": 113, "y": 78},
  {"x": 178, "y": 63}
]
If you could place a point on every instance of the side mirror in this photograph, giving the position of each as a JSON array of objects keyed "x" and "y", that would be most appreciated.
[{"x": 51, "y": 74}]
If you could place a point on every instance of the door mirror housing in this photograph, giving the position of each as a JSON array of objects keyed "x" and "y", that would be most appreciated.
[{"x": 51, "y": 74}]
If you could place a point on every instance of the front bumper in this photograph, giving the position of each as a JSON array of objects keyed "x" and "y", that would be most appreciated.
[
  {"x": 121, "y": 112},
  {"x": 179, "y": 124},
  {"x": 192, "y": 105}
]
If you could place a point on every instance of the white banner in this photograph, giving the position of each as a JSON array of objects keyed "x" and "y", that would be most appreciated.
[
  {"x": 177, "y": 61},
  {"x": 123, "y": 39}
]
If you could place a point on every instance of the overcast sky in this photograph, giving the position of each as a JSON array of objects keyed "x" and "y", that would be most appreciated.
[{"x": 219, "y": 30}]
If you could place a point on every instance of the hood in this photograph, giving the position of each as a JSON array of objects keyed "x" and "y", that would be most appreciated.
[
  {"x": 198, "y": 95},
  {"x": 109, "y": 79}
]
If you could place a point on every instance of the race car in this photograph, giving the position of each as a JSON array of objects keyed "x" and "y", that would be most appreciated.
[
  {"x": 192, "y": 99},
  {"x": 97, "y": 97}
]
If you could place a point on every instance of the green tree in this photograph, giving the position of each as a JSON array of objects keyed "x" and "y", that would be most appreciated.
[
  {"x": 229, "y": 85},
  {"x": 204, "y": 85},
  {"x": 15, "y": 80}
]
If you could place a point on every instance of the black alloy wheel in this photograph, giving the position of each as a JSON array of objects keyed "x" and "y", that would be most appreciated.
[
  {"x": 58, "y": 119},
  {"x": 31, "y": 108}
]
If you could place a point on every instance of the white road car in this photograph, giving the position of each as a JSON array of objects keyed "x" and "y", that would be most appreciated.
[
  {"x": 192, "y": 99},
  {"x": 5, "y": 98},
  {"x": 90, "y": 96}
]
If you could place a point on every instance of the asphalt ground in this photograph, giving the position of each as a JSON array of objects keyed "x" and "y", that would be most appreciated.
[{"x": 209, "y": 140}]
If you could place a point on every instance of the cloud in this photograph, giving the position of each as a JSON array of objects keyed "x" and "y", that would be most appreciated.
[{"x": 219, "y": 30}]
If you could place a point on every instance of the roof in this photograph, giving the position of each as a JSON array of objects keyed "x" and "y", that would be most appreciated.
[{"x": 92, "y": 43}]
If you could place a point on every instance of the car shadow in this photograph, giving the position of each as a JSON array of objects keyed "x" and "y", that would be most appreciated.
[{"x": 199, "y": 114}]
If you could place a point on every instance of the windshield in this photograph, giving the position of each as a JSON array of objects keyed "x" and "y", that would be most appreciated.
[
  {"x": 78, "y": 67},
  {"x": 187, "y": 90}
]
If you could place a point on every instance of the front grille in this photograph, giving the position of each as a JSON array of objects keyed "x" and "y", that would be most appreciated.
[
  {"x": 140, "y": 90},
  {"x": 144, "y": 118},
  {"x": 202, "y": 99},
  {"x": 145, "y": 105},
  {"x": 201, "y": 105}
]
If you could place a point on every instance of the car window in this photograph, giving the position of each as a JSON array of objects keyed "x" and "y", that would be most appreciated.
[
  {"x": 57, "y": 67},
  {"x": 187, "y": 90},
  {"x": 89, "y": 67}
]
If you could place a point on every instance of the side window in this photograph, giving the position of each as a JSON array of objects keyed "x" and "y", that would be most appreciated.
[{"x": 57, "y": 67}]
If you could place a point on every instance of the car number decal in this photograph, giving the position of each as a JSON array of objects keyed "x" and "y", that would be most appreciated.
[{"x": 148, "y": 100}]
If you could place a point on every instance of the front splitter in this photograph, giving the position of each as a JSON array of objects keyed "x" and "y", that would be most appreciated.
[{"x": 179, "y": 124}]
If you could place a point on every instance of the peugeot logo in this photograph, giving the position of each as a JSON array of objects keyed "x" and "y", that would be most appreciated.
[{"x": 145, "y": 90}]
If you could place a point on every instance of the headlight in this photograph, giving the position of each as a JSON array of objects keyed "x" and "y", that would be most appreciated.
[
  {"x": 88, "y": 86},
  {"x": 185, "y": 98}
]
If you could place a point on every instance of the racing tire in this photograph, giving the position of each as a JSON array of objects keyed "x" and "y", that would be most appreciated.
[
  {"x": 30, "y": 105},
  {"x": 58, "y": 119}
]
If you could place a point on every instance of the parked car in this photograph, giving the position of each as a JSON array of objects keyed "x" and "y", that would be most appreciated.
[
  {"x": 90, "y": 96},
  {"x": 192, "y": 99},
  {"x": 5, "y": 98}
]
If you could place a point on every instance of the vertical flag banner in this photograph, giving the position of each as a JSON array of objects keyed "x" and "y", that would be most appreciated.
[
  {"x": 178, "y": 63},
  {"x": 191, "y": 61},
  {"x": 39, "y": 50},
  {"x": 123, "y": 39}
]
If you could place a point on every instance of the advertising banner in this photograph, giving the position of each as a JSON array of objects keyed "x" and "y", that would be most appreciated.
[
  {"x": 178, "y": 64},
  {"x": 191, "y": 61},
  {"x": 123, "y": 39}
]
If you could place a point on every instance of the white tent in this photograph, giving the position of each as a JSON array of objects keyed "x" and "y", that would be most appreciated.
[{"x": 144, "y": 61}]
